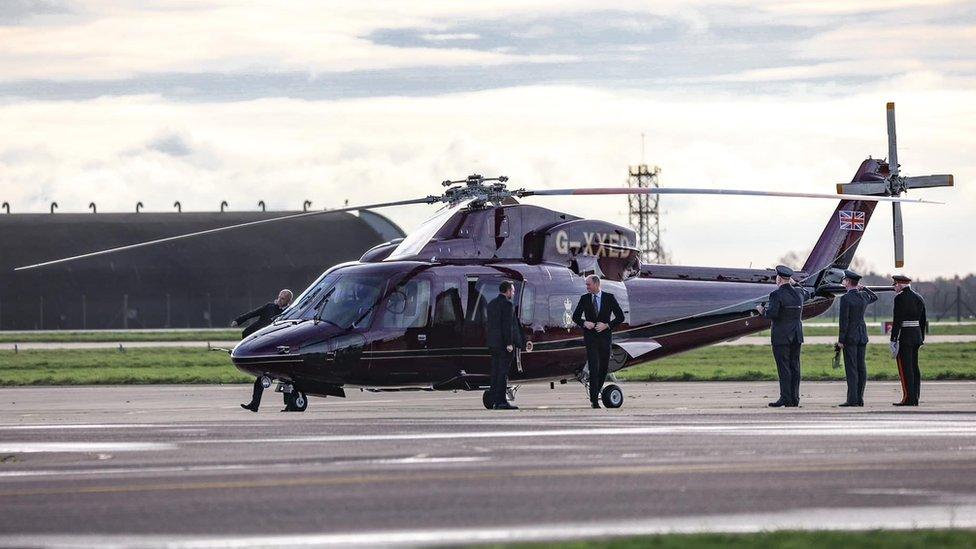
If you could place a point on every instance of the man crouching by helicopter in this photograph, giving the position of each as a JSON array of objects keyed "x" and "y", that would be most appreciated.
[
  {"x": 785, "y": 310},
  {"x": 504, "y": 337},
  {"x": 265, "y": 314}
]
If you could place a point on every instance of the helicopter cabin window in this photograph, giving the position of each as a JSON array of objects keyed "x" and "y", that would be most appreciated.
[
  {"x": 527, "y": 305},
  {"x": 479, "y": 295},
  {"x": 447, "y": 305},
  {"x": 407, "y": 306}
]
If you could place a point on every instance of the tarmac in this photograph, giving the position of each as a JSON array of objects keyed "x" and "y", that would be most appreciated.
[{"x": 185, "y": 466}]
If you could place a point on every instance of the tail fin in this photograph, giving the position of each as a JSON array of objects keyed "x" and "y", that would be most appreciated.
[{"x": 846, "y": 226}]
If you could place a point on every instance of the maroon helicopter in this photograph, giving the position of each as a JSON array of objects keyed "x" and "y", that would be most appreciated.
[{"x": 410, "y": 314}]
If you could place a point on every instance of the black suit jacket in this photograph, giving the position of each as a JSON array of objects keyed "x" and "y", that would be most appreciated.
[
  {"x": 785, "y": 310},
  {"x": 909, "y": 306},
  {"x": 853, "y": 330},
  {"x": 265, "y": 315},
  {"x": 610, "y": 314},
  {"x": 502, "y": 327}
]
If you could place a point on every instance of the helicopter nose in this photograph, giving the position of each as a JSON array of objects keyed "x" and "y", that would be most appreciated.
[{"x": 275, "y": 340}]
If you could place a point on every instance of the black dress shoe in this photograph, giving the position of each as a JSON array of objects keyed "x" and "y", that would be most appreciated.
[
  {"x": 860, "y": 404},
  {"x": 595, "y": 404},
  {"x": 795, "y": 404},
  {"x": 249, "y": 407},
  {"x": 777, "y": 404},
  {"x": 846, "y": 405},
  {"x": 505, "y": 406},
  {"x": 900, "y": 404}
]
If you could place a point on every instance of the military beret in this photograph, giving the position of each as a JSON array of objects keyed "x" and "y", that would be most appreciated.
[
  {"x": 902, "y": 279},
  {"x": 784, "y": 271},
  {"x": 851, "y": 275}
]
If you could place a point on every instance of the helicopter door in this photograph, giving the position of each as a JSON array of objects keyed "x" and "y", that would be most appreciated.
[
  {"x": 444, "y": 338},
  {"x": 481, "y": 290}
]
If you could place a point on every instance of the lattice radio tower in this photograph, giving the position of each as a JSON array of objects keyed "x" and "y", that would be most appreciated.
[{"x": 644, "y": 214}]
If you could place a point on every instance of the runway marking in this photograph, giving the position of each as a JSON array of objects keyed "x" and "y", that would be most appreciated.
[
  {"x": 108, "y": 471},
  {"x": 442, "y": 476},
  {"x": 41, "y": 447},
  {"x": 871, "y": 429},
  {"x": 850, "y": 519}
]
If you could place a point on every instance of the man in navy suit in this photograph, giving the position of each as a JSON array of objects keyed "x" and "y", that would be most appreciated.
[
  {"x": 504, "y": 335},
  {"x": 597, "y": 313},
  {"x": 853, "y": 336},
  {"x": 785, "y": 310}
]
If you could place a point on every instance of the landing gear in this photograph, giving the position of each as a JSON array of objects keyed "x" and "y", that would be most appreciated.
[
  {"x": 295, "y": 401},
  {"x": 612, "y": 396}
]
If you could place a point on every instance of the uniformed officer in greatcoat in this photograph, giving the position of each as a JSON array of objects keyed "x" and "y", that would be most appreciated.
[
  {"x": 853, "y": 336},
  {"x": 785, "y": 311}
]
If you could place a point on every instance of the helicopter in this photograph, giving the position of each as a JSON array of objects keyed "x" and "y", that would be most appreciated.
[{"x": 410, "y": 314}]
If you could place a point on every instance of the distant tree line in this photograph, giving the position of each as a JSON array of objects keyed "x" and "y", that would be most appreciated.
[{"x": 947, "y": 299}]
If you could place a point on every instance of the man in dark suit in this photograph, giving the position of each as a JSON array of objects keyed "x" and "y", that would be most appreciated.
[
  {"x": 504, "y": 336},
  {"x": 597, "y": 313},
  {"x": 853, "y": 336},
  {"x": 907, "y": 335},
  {"x": 265, "y": 314},
  {"x": 785, "y": 310}
]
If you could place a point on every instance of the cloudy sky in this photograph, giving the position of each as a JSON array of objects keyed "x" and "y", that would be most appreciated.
[{"x": 202, "y": 101}]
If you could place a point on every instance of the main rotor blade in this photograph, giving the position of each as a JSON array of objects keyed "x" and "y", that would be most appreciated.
[
  {"x": 892, "y": 141},
  {"x": 734, "y": 192},
  {"x": 899, "y": 234},
  {"x": 427, "y": 200}
]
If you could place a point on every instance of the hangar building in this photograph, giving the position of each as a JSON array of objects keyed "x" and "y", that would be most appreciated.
[{"x": 194, "y": 283}]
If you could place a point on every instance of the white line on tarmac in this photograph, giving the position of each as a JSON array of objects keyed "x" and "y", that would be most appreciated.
[
  {"x": 873, "y": 429},
  {"x": 852, "y": 519},
  {"x": 109, "y": 471},
  {"x": 39, "y": 447}
]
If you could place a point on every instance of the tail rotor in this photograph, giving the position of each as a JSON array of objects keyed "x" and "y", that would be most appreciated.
[{"x": 894, "y": 185}]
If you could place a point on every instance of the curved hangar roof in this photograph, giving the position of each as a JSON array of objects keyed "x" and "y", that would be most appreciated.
[{"x": 209, "y": 280}]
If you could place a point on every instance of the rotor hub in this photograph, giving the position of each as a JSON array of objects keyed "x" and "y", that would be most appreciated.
[{"x": 483, "y": 191}]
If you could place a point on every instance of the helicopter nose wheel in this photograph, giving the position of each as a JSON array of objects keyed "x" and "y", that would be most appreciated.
[
  {"x": 612, "y": 396},
  {"x": 486, "y": 400},
  {"x": 295, "y": 401}
]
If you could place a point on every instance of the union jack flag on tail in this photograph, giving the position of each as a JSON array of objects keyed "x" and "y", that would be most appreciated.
[{"x": 851, "y": 220}]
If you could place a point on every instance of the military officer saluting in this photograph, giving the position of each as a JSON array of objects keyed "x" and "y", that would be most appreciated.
[
  {"x": 907, "y": 335},
  {"x": 785, "y": 310},
  {"x": 853, "y": 336}
]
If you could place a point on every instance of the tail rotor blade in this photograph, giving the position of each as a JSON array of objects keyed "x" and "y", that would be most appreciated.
[
  {"x": 892, "y": 141},
  {"x": 427, "y": 200},
  {"x": 927, "y": 181},
  {"x": 899, "y": 234}
]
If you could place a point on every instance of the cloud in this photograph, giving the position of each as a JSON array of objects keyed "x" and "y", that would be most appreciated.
[
  {"x": 121, "y": 102},
  {"x": 172, "y": 144},
  {"x": 379, "y": 149},
  {"x": 19, "y": 11}
]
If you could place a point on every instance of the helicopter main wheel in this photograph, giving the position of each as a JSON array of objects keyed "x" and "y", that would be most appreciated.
[
  {"x": 296, "y": 401},
  {"x": 612, "y": 396},
  {"x": 486, "y": 400}
]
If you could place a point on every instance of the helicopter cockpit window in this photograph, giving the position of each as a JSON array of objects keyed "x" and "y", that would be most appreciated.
[
  {"x": 340, "y": 300},
  {"x": 407, "y": 306},
  {"x": 310, "y": 296}
]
